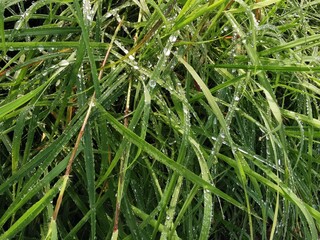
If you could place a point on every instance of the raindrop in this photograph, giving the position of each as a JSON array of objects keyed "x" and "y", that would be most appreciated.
[
  {"x": 152, "y": 83},
  {"x": 173, "y": 38},
  {"x": 63, "y": 63},
  {"x": 92, "y": 104},
  {"x": 166, "y": 51}
]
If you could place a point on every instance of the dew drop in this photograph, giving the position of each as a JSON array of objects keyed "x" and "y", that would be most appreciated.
[
  {"x": 173, "y": 38},
  {"x": 92, "y": 104},
  {"x": 152, "y": 83},
  {"x": 63, "y": 63},
  {"x": 166, "y": 51}
]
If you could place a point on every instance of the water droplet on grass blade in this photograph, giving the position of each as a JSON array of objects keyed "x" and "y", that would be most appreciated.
[
  {"x": 166, "y": 51},
  {"x": 63, "y": 63},
  {"x": 92, "y": 104},
  {"x": 173, "y": 38},
  {"x": 152, "y": 83}
]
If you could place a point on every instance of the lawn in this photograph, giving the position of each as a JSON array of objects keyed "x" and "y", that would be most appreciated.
[{"x": 159, "y": 119}]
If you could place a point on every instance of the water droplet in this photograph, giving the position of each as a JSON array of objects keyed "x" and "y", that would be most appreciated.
[
  {"x": 92, "y": 104},
  {"x": 63, "y": 63},
  {"x": 173, "y": 38},
  {"x": 152, "y": 83},
  {"x": 166, "y": 51}
]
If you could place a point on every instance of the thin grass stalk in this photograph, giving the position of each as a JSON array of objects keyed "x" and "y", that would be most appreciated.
[
  {"x": 69, "y": 167},
  {"x": 176, "y": 181},
  {"x": 90, "y": 175},
  {"x": 126, "y": 124},
  {"x": 85, "y": 35},
  {"x": 115, "y": 228},
  {"x": 275, "y": 218},
  {"x": 123, "y": 169},
  {"x": 2, "y": 33}
]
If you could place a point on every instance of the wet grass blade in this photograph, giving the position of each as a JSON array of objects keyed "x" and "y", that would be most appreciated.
[{"x": 32, "y": 212}]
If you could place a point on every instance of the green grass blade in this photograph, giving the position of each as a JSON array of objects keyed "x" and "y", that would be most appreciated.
[
  {"x": 166, "y": 160},
  {"x": 12, "y": 106},
  {"x": 32, "y": 212}
]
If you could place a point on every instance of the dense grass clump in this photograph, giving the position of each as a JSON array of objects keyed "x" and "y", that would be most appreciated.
[{"x": 159, "y": 119}]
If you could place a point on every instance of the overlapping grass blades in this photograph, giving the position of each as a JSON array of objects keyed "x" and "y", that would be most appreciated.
[{"x": 203, "y": 124}]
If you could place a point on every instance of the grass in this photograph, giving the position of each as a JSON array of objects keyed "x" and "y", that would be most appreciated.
[{"x": 159, "y": 119}]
